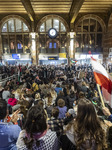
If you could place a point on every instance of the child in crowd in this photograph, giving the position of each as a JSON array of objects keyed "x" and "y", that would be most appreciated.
[
  {"x": 56, "y": 124},
  {"x": 62, "y": 108}
]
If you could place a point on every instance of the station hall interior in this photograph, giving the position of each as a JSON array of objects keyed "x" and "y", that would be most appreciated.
[
  {"x": 55, "y": 32},
  {"x": 55, "y": 74}
]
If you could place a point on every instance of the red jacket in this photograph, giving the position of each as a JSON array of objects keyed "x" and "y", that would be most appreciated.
[{"x": 12, "y": 101}]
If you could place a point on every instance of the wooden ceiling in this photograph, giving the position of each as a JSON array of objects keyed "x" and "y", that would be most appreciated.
[
  {"x": 96, "y": 6},
  {"x": 51, "y": 6},
  {"x": 11, "y": 6},
  {"x": 71, "y": 7}
]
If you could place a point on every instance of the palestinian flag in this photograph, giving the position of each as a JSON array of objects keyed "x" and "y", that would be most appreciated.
[{"x": 74, "y": 61}]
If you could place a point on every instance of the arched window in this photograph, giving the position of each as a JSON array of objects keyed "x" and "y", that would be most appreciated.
[
  {"x": 52, "y": 23},
  {"x": 47, "y": 44},
  {"x": 89, "y": 35},
  {"x": 15, "y": 36}
]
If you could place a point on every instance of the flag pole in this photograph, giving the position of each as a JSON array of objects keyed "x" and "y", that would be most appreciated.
[{"x": 100, "y": 95}]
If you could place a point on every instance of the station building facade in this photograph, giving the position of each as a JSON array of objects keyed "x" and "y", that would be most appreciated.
[{"x": 51, "y": 40}]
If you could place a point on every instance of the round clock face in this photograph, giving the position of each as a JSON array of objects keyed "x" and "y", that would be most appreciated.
[{"x": 52, "y": 33}]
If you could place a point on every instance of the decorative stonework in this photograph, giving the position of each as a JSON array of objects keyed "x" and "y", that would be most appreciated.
[
  {"x": 110, "y": 24},
  {"x": 108, "y": 39}
]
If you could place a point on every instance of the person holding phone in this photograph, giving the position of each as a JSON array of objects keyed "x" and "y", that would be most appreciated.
[{"x": 9, "y": 132}]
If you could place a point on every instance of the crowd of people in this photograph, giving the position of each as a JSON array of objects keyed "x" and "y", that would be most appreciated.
[
  {"x": 6, "y": 71},
  {"x": 54, "y": 108}
]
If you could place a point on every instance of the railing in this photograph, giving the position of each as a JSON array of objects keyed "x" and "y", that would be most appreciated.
[
  {"x": 3, "y": 76},
  {"x": 3, "y": 81}
]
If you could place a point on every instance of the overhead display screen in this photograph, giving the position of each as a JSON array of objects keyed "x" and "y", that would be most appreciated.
[{"x": 16, "y": 56}]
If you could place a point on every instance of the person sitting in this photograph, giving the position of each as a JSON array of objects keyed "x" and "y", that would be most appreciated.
[
  {"x": 8, "y": 132},
  {"x": 107, "y": 113},
  {"x": 70, "y": 115},
  {"x": 12, "y": 100},
  {"x": 56, "y": 124},
  {"x": 6, "y": 93},
  {"x": 62, "y": 108},
  {"x": 61, "y": 96},
  {"x": 37, "y": 98},
  {"x": 58, "y": 88},
  {"x": 36, "y": 134},
  {"x": 35, "y": 87},
  {"x": 71, "y": 98},
  {"x": 86, "y": 132},
  {"x": 48, "y": 103}
]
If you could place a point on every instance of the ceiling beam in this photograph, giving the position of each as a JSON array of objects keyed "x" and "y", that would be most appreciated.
[
  {"x": 75, "y": 7},
  {"x": 28, "y": 7}
]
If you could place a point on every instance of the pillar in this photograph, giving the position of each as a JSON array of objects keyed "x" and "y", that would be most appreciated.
[
  {"x": 1, "y": 50},
  {"x": 33, "y": 47},
  {"x": 68, "y": 47},
  {"x": 72, "y": 45},
  {"x": 37, "y": 47}
]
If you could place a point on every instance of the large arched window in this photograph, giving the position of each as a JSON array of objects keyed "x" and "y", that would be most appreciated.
[
  {"x": 15, "y": 36},
  {"x": 52, "y": 23},
  {"x": 89, "y": 35},
  {"x": 48, "y": 45}
]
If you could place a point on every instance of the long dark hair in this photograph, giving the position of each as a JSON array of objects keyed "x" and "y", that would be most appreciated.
[
  {"x": 35, "y": 123},
  {"x": 87, "y": 124}
]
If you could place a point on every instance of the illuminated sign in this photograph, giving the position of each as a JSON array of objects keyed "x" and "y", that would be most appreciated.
[
  {"x": 53, "y": 58},
  {"x": 16, "y": 56},
  {"x": 62, "y": 55}
]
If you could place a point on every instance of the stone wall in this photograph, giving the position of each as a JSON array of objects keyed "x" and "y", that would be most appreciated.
[{"x": 107, "y": 43}]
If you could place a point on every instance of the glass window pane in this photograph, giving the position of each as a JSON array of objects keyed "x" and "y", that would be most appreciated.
[
  {"x": 63, "y": 40},
  {"x": 50, "y": 45},
  {"x": 43, "y": 43},
  {"x": 5, "y": 43},
  {"x": 11, "y": 26},
  {"x": 85, "y": 45},
  {"x": 99, "y": 40},
  {"x": 99, "y": 28},
  {"x": 63, "y": 29},
  {"x": 4, "y": 28},
  {"x": 56, "y": 24},
  {"x": 78, "y": 43},
  {"x": 27, "y": 44},
  {"x": 92, "y": 25},
  {"x": 79, "y": 28},
  {"x": 18, "y": 26},
  {"x": 54, "y": 45},
  {"x": 86, "y": 25},
  {"x": 99, "y": 43},
  {"x": 92, "y": 42},
  {"x": 25, "y": 28},
  {"x": 48, "y": 24},
  {"x": 12, "y": 44},
  {"x": 85, "y": 39},
  {"x": 42, "y": 40},
  {"x": 19, "y": 44},
  {"x": 42, "y": 28}
]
